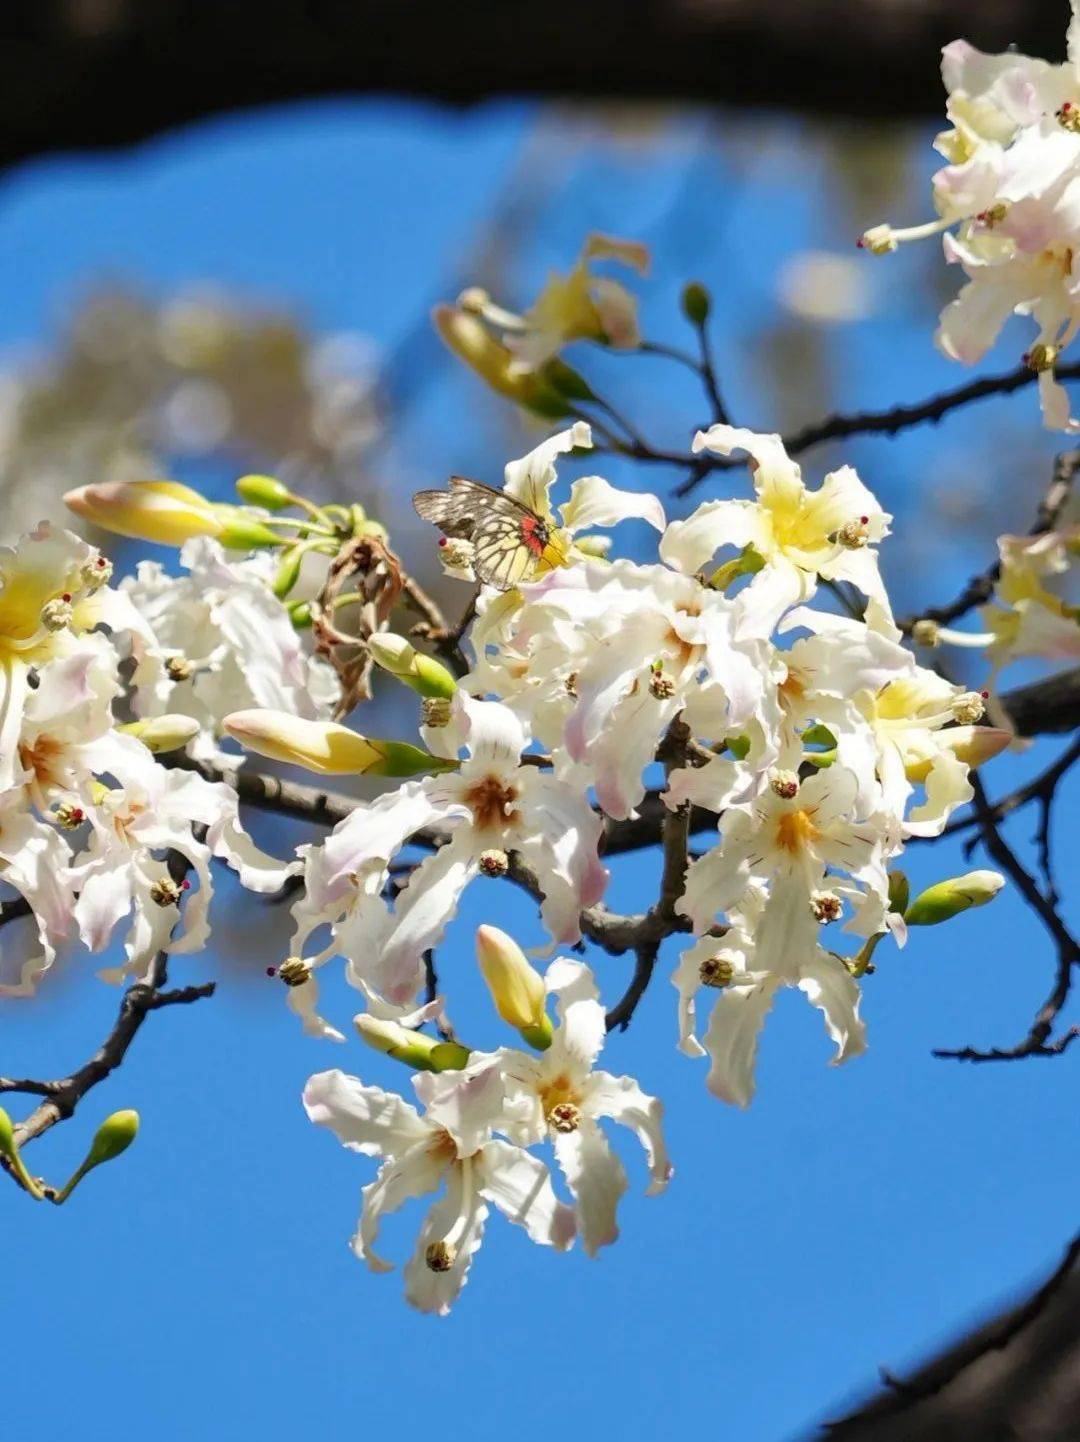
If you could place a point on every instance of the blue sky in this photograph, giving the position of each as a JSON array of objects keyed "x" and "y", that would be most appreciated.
[{"x": 202, "y": 1285}]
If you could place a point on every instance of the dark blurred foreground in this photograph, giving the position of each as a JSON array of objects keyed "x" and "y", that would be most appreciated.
[{"x": 87, "y": 73}]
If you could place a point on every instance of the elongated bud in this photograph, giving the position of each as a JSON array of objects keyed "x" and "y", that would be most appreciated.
[
  {"x": 696, "y": 303},
  {"x": 949, "y": 898},
  {"x": 288, "y": 572},
  {"x": 424, "y": 674},
  {"x": 162, "y": 733},
  {"x": 326, "y": 747},
  {"x": 413, "y": 1048},
  {"x": 265, "y": 491},
  {"x": 113, "y": 1136},
  {"x": 515, "y": 986},
  {"x": 9, "y": 1148},
  {"x": 242, "y": 532},
  {"x": 161, "y": 511},
  {"x": 472, "y": 342}
]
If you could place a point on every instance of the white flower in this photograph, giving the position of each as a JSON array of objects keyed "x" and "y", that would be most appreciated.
[
  {"x": 33, "y": 862},
  {"x": 123, "y": 868},
  {"x": 557, "y": 1096},
  {"x": 227, "y": 643},
  {"x": 492, "y": 802},
  {"x": 795, "y": 534},
  {"x": 604, "y": 657},
  {"x": 773, "y": 944},
  {"x": 1009, "y": 202},
  {"x": 451, "y": 1147},
  {"x": 793, "y": 830}
]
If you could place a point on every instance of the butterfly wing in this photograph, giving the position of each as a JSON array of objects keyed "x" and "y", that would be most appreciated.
[{"x": 509, "y": 539}]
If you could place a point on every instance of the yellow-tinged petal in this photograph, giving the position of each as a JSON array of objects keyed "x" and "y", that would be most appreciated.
[
  {"x": 161, "y": 511},
  {"x": 516, "y": 987},
  {"x": 971, "y": 744},
  {"x": 326, "y": 747}
]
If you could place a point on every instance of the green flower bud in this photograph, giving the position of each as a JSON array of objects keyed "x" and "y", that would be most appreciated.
[
  {"x": 162, "y": 733},
  {"x": 424, "y": 674},
  {"x": 113, "y": 1136},
  {"x": 265, "y": 491},
  {"x": 9, "y": 1148},
  {"x": 300, "y": 615},
  {"x": 7, "y": 1135},
  {"x": 241, "y": 532},
  {"x": 696, "y": 303},
  {"x": 414, "y": 1048},
  {"x": 949, "y": 898},
  {"x": 288, "y": 571}
]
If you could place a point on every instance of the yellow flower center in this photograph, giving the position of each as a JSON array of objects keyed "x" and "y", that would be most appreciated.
[{"x": 795, "y": 830}]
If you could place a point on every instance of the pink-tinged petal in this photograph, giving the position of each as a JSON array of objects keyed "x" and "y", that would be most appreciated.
[
  {"x": 558, "y": 837},
  {"x": 363, "y": 1118},
  {"x": 520, "y": 1186},
  {"x": 596, "y": 1179},
  {"x": 467, "y": 1104}
]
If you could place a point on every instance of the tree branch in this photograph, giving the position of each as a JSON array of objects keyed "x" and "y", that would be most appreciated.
[{"x": 62, "y": 1097}]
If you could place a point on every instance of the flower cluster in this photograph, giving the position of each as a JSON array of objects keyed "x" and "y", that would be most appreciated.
[
  {"x": 1007, "y": 204},
  {"x": 556, "y": 1096},
  {"x": 712, "y": 683},
  {"x": 90, "y": 818}
]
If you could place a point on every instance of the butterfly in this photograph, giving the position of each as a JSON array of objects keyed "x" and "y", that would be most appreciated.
[{"x": 511, "y": 542}]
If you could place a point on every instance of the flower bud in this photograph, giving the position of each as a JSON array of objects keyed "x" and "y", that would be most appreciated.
[
  {"x": 162, "y": 733},
  {"x": 300, "y": 615},
  {"x": 288, "y": 571},
  {"x": 423, "y": 674},
  {"x": 243, "y": 532},
  {"x": 948, "y": 898},
  {"x": 696, "y": 303},
  {"x": 326, "y": 747},
  {"x": 265, "y": 491},
  {"x": 113, "y": 1136},
  {"x": 9, "y": 1148},
  {"x": 414, "y": 1048},
  {"x": 472, "y": 342},
  {"x": 161, "y": 511},
  {"x": 516, "y": 987}
]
